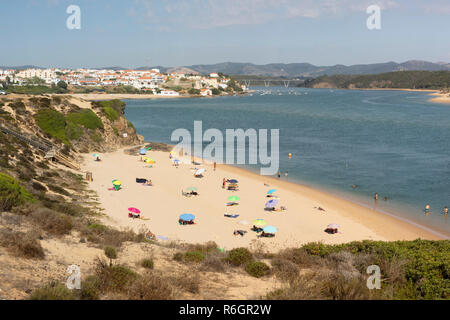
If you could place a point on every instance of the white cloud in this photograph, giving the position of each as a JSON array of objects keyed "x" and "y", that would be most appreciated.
[{"x": 203, "y": 14}]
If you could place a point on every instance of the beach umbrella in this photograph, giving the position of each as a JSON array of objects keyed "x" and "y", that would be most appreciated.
[
  {"x": 200, "y": 171},
  {"x": 176, "y": 161},
  {"x": 233, "y": 181},
  {"x": 333, "y": 226},
  {"x": 96, "y": 155},
  {"x": 187, "y": 217},
  {"x": 233, "y": 198},
  {"x": 272, "y": 203},
  {"x": 259, "y": 222},
  {"x": 172, "y": 152},
  {"x": 143, "y": 151},
  {"x": 134, "y": 210},
  {"x": 271, "y": 191},
  {"x": 117, "y": 182},
  {"x": 148, "y": 148},
  {"x": 270, "y": 229},
  {"x": 192, "y": 189}
]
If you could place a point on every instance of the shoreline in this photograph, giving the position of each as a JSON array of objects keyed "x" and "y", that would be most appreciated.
[
  {"x": 388, "y": 216},
  {"x": 300, "y": 224},
  {"x": 439, "y": 97}
]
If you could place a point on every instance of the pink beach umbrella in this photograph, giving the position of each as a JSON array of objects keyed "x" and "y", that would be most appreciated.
[{"x": 134, "y": 210}]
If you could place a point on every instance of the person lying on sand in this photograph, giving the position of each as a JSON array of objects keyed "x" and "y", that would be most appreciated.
[
  {"x": 319, "y": 208},
  {"x": 239, "y": 232},
  {"x": 256, "y": 229},
  {"x": 267, "y": 235}
]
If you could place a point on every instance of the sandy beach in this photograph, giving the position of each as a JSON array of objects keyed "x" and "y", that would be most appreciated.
[
  {"x": 162, "y": 203},
  {"x": 440, "y": 98},
  {"x": 111, "y": 96}
]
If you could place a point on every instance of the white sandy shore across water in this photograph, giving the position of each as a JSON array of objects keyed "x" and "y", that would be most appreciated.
[{"x": 162, "y": 204}]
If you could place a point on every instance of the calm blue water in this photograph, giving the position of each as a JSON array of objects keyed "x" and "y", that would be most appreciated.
[{"x": 391, "y": 142}]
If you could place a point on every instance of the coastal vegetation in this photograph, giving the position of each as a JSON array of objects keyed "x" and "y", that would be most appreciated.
[
  {"x": 42, "y": 203},
  {"x": 436, "y": 80}
]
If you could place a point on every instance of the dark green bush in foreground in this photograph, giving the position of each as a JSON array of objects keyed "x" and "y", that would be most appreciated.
[
  {"x": 257, "y": 269},
  {"x": 239, "y": 256},
  {"x": 12, "y": 193},
  {"x": 418, "y": 269},
  {"x": 53, "y": 291}
]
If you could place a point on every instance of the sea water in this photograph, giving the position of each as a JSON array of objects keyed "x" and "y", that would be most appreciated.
[{"x": 395, "y": 143}]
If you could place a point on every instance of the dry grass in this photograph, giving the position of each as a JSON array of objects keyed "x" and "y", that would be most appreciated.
[{"x": 22, "y": 244}]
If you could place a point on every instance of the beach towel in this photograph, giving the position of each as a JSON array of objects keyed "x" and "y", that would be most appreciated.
[{"x": 231, "y": 215}]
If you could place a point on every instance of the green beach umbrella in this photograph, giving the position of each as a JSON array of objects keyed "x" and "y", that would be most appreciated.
[
  {"x": 192, "y": 189},
  {"x": 233, "y": 198}
]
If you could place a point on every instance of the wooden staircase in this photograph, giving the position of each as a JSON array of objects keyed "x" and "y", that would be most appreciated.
[{"x": 50, "y": 150}]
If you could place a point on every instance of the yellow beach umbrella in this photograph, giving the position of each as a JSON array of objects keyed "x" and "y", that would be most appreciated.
[
  {"x": 259, "y": 222},
  {"x": 117, "y": 183}
]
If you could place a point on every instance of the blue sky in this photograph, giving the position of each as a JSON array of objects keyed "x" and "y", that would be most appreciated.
[{"x": 183, "y": 32}]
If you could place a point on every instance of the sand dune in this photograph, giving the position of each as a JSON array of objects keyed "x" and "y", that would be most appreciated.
[{"x": 162, "y": 204}]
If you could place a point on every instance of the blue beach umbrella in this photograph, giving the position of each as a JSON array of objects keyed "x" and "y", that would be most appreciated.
[
  {"x": 143, "y": 151},
  {"x": 176, "y": 161},
  {"x": 272, "y": 203},
  {"x": 233, "y": 181},
  {"x": 187, "y": 217},
  {"x": 271, "y": 191},
  {"x": 270, "y": 229},
  {"x": 95, "y": 155}
]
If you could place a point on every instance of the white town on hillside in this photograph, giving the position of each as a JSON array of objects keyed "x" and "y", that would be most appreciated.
[{"x": 150, "y": 81}]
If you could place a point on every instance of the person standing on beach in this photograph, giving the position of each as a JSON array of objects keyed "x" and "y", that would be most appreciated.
[
  {"x": 427, "y": 209},
  {"x": 224, "y": 183},
  {"x": 375, "y": 196},
  {"x": 215, "y": 166},
  {"x": 279, "y": 174}
]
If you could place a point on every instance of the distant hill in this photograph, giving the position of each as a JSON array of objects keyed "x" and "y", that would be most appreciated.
[
  {"x": 390, "y": 80},
  {"x": 292, "y": 70},
  {"x": 309, "y": 70}
]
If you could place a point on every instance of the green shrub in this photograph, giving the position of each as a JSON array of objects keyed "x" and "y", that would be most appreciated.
[
  {"x": 193, "y": 256},
  {"x": 12, "y": 193},
  {"x": 86, "y": 118},
  {"x": 90, "y": 288},
  {"x": 52, "y": 291},
  {"x": 257, "y": 269},
  {"x": 52, "y": 123},
  {"x": 239, "y": 256},
  {"x": 147, "y": 263},
  {"x": 115, "y": 278},
  {"x": 110, "y": 113}
]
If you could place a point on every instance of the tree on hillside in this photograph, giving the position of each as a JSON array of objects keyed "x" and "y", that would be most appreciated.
[{"x": 62, "y": 84}]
